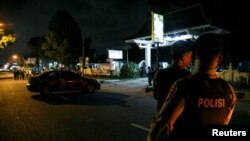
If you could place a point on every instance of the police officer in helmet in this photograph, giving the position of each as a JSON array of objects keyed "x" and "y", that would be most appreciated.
[{"x": 201, "y": 100}]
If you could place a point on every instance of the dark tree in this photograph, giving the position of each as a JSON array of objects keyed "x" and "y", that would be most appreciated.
[
  {"x": 35, "y": 43},
  {"x": 64, "y": 40}
]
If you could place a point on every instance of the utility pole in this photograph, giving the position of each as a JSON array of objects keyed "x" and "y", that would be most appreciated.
[
  {"x": 126, "y": 48},
  {"x": 83, "y": 58},
  {"x": 127, "y": 55},
  {"x": 157, "y": 55}
]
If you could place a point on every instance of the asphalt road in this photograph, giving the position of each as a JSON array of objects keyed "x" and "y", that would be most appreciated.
[
  {"x": 120, "y": 111},
  {"x": 116, "y": 113}
]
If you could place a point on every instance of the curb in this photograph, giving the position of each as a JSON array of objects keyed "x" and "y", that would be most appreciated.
[
  {"x": 6, "y": 78},
  {"x": 108, "y": 81},
  {"x": 243, "y": 94}
]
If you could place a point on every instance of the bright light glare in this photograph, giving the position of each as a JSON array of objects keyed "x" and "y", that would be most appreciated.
[
  {"x": 182, "y": 37},
  {"x": 14, "y": 57}
]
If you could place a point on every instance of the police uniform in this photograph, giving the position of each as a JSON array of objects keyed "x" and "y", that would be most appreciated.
[
  {"x": 163, "y": 80},
  {"x": 202, "y": 99},
  {"x": 207, "y": 101}
]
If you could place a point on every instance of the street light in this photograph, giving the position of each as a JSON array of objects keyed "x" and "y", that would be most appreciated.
[
  {"x": 18, "y": 59},
  {"x": 14, "y": 57},
  {"x": 15, "y": 60}
]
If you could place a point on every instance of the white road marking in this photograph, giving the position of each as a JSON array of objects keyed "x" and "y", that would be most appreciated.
[
  {"x": 139, "y": 126},
  {"x": 62, "y": 97}
]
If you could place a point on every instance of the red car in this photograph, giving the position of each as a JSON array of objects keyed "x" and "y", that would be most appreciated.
[{"x": 61, "y": 81}]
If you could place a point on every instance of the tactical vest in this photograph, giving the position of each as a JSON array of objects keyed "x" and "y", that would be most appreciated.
[{"x": 207, "y": 101}]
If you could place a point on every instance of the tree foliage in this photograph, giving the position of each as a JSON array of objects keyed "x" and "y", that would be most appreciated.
[
  {"x": 64, "y": 40},
  {"x": 35, "y": 43},
  {"x": 7, "y": 37}
]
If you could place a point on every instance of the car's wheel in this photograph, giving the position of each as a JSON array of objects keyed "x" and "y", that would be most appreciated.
[
  {"x": 45, "y": 90},
  {"x": 91, "y": 88}
]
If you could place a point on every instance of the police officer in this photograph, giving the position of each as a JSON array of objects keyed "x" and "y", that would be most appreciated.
[
  {"x": 202, "y": 99},
  {"x": 181, "y": 53}
]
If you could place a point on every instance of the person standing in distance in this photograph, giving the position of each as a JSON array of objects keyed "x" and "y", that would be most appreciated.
[
  {"x": 181, "y": 53},
  {"x": 196, "y": 102}
]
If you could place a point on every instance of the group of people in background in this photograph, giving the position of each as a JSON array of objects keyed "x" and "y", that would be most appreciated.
[
  {"x": 21, "y": 74},
  {"x": 187, "y": 103},
  {"x": 18, "y": 74}
]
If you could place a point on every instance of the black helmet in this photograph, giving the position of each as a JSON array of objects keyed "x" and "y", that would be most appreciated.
[
  {"x": 208, "y": 45},
  {"x": 209, "y": 41}
]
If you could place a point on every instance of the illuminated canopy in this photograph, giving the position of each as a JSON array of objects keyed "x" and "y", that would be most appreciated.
[{"x": 184, "y": 24}]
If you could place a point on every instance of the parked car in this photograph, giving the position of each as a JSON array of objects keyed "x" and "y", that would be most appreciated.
[{"x": 61, "y": 81}]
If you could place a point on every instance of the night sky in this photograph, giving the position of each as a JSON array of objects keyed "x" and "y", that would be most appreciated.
[{"x": 107, "y": 22}]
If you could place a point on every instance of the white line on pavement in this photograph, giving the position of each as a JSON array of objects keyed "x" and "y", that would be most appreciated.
[{"x": 139, "y": 126}]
